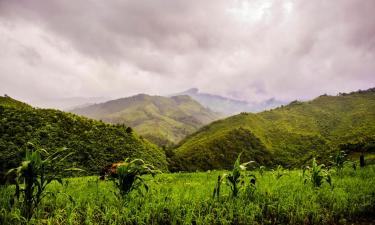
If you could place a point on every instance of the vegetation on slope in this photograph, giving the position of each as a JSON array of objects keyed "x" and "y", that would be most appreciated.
[
  {"x": 290, "y": 135},
  {"x": 161, "y": 120},
  {"x": 95, "y": 144}
]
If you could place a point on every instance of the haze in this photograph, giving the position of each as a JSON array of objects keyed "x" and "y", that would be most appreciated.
[{"x": 247, "y": 50}]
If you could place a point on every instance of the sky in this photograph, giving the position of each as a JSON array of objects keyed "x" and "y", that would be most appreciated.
[{"x": 243, "y": 49}]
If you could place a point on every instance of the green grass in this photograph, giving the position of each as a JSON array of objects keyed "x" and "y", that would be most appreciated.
[{"x": 186, "y": 198}]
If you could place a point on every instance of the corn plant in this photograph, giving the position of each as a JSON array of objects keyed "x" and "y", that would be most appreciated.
[
  {"x": 33, "y": 176},
  {"x": 261, "y": 170},
  {"x": 130, "y": 176},
  {"x": 279, "y": 172},
  {"x": 316, "y": 174},
  {"x": 236, "y": 180},
  {"x": 339, "y": 159}
]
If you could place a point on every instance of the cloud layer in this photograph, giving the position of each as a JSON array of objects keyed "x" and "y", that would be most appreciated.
[{"x": 242, "y": 49}]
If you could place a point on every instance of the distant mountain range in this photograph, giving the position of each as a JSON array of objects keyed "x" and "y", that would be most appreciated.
[
  {"x": 228, "y": 106},
  {"x": 161, "y": 120},
  {"x": 67, "y": 103}
]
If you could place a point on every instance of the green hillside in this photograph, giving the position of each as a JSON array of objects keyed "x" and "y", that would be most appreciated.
[
  {"x": 95, "y": 144},
  {"x": 289, "y": 135},
  {"x": 161, "y": 120}
]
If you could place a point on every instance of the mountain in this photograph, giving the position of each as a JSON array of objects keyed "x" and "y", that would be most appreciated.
[
  {"x": 95, "y": 144},
  {"x": 161, "y": 120},
  {"x": 289, "y": 135},
  {"x": 228, "y": 106},
  {"x": 66, "y": 103}
]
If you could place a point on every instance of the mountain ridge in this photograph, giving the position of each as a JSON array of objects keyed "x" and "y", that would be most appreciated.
[
  {"x": 229, "y": 106},
  {"x": 291, "y": 134},
  {"x": 162, "y": 120}
]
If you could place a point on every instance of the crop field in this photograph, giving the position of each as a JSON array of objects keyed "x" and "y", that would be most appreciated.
[{"x": 278, "y": 197}]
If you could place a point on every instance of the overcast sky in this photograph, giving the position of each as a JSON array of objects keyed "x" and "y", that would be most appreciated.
[{"x": 246, "y": 50}]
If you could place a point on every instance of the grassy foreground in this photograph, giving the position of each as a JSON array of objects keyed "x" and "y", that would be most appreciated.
[{"x": 279, "y": 197}]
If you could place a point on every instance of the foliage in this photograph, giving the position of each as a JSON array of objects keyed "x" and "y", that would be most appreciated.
[
  {"x": 236, "y": 180},
  {"x": 223, "y": 151},
  {"x": 130, "y": 176},
  {"x": 185, "y": 198},
  {"x": 316, "y": 174},
  {"x": 95, "y": 144},
  {"x": 339, "y": 160},
  {"x": 33, "y": 176},
  {"x": 175, "y": 117},
  {"x": 283, "y": 134},
  {"x": 279, "y": 172}
]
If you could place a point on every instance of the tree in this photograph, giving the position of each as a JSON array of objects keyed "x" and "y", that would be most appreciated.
[{"x": 129, "y": 130}]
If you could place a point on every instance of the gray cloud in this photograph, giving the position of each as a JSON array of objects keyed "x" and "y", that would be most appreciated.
[{"x": 242, "y": 49}]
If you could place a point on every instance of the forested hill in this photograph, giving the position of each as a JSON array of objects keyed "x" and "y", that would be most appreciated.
[
  {"x": 95, "y": 144},
  {"x": 161, "y": 120},
  {"x": 288, "y": 135}
]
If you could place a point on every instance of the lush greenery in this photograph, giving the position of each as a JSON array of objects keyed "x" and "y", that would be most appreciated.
[
  {"x": 186, "y": 198},
  {"x": 94, "y": 144},
  {"x": 329, "y": 130},
  {"x": 38, "y": 170},
  {"x": 290, "y": 135},
  {"x": 161, "y": 120},
  {"x": 129, "y": 176}
]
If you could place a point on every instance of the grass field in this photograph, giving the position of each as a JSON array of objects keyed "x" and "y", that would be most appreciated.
[{"x": 279, "y": 197}]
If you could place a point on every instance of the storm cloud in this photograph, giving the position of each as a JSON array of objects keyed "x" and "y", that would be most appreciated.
[{"x": 242, "y": 49}]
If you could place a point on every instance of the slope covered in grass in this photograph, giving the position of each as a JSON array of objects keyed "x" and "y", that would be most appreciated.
[
  {"x": 161, "y": 120},
  {"x": 288, "y": 135},
  {"x": 95, "y": 144}
]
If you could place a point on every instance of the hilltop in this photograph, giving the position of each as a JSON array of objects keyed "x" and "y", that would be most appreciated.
[
  {"x": 161, "y": 120},
  {"x": 289, "y": 135},
  {"x": 94, "y": 143}
]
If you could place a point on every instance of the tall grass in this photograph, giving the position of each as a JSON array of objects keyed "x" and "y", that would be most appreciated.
[{"x": 186, "y": 198}]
